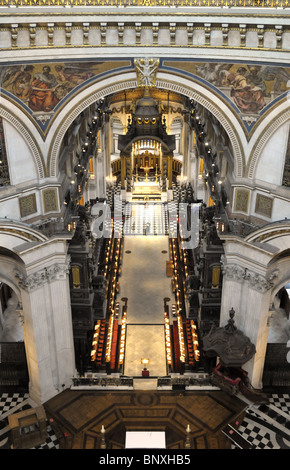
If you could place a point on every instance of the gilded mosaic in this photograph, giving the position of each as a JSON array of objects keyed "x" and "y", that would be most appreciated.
[
  {"x": 241, "y": 200},
  {"x": 27, "y": 205},
  {"x": 264, "y": 205},
  {"x": 50, "y": 200},
  {"x": 148, "y": 3}
]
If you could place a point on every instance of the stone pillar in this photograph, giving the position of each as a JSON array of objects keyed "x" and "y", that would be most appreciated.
[
  {"x": 169, "y": 170},
  {"x": 123, "y": 171},
  {"x": 193, "y": 170},
  {"x": 100, "y": 175},
  {"x": 47, "y": 326},
  {"x": 247, "y": 287}
]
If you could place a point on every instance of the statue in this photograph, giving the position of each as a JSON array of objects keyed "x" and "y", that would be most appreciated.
[{"x": 146, "y": 71}]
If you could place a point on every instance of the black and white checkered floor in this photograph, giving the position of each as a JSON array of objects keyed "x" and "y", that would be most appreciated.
[
  {"x": 268, "y": 426},
  {"x": 145, "y": 219},
  {"x": 12, "y": 403},
  {"x": 264, "y": 426}
]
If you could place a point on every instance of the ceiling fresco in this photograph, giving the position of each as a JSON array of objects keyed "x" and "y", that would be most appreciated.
[
  {"x": 42, "y": 89},
  {"x": 249, "y": 88}
]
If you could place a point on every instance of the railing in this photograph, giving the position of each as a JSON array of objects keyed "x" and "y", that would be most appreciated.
[
  {"x": 196, "y": 380},
  {"x": 146, "y": 3},
  {"x": 106, "y": 382},
  {"x": 226, "y": 226}
]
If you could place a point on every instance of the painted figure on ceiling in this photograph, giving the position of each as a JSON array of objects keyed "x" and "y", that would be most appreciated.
[
  {"x": 17, "y": 80},
  {"x": 73, "y": 74},
  {"x": 255, "y": 78},
  {"x": 43, "y": 86},
  {"x": 248, "y": 97}
]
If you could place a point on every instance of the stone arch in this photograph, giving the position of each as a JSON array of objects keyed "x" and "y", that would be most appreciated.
[
  {"x": 185, "y": 86},
  {"x": 255, "y": 267},
  {"x": 269, "y": 124},
  {"x": 144, "y": 137},
  {"x": 14, "y": 234},
  {"x": 8, "y": 267},
  {"x": 276, "y": 234},
  {"x": 27, "y": 135},
  {"x": 37, "y": 269},
  {"x": 281, "y": 283}
]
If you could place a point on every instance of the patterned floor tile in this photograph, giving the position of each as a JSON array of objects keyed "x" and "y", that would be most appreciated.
[
  {"x": 255, "y": 428},
  {"x": 7, "y": 403}
]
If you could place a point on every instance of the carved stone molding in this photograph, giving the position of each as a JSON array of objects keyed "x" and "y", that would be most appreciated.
[
  {"x": 39, "y": 278},
  {"x": 255, "y": 280},
  {"x": 29, "y": 138},
  {"x": 146, "y": 70},
  {"x": 276, "y": 121}
]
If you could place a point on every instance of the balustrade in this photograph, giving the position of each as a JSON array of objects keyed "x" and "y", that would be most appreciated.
[{"x": 17, "y": 32}]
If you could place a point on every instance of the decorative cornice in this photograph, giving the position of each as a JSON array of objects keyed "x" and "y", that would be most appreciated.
[
  {"x": 152, "y": 3},
  {"x": 36, "y": 280},
  {"x": 256, "y": 281}
]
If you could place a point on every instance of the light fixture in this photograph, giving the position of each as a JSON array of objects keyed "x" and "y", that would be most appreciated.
[{"x": 145, "y": 362}]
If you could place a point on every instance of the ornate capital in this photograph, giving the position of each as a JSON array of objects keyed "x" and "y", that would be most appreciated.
[
  {"x": 35, "y": 280},
  {"x": 255, "y": 280}
]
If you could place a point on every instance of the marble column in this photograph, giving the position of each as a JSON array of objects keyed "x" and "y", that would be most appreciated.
[
  {"x": 247, "y": 287},
  {"x": 47, "y": 327}
]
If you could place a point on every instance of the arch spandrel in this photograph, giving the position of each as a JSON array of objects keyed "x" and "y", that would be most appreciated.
[{"x": 208, "y": 82}]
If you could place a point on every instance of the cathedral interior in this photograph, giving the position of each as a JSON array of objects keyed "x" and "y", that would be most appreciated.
[{"x": 145, "y": 224}]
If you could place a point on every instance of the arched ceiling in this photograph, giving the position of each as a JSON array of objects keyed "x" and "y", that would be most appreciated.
[
  {"x": 69, "y": 87},
  {"x": 158, "y": 94},
  {"x": 249, "y": 89}
]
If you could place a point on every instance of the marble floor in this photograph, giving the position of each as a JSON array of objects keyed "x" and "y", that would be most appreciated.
[
  {"x": 264, "y": 427},
  {"x": 150, "y": 218},
  {"x": 145, "y": 341},
  {"x": 145, "y": 284}
]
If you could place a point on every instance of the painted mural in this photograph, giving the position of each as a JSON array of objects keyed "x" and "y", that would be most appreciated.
[
  {"x": 41, "y": 87},
  {"x": 250, "y": 87}
]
